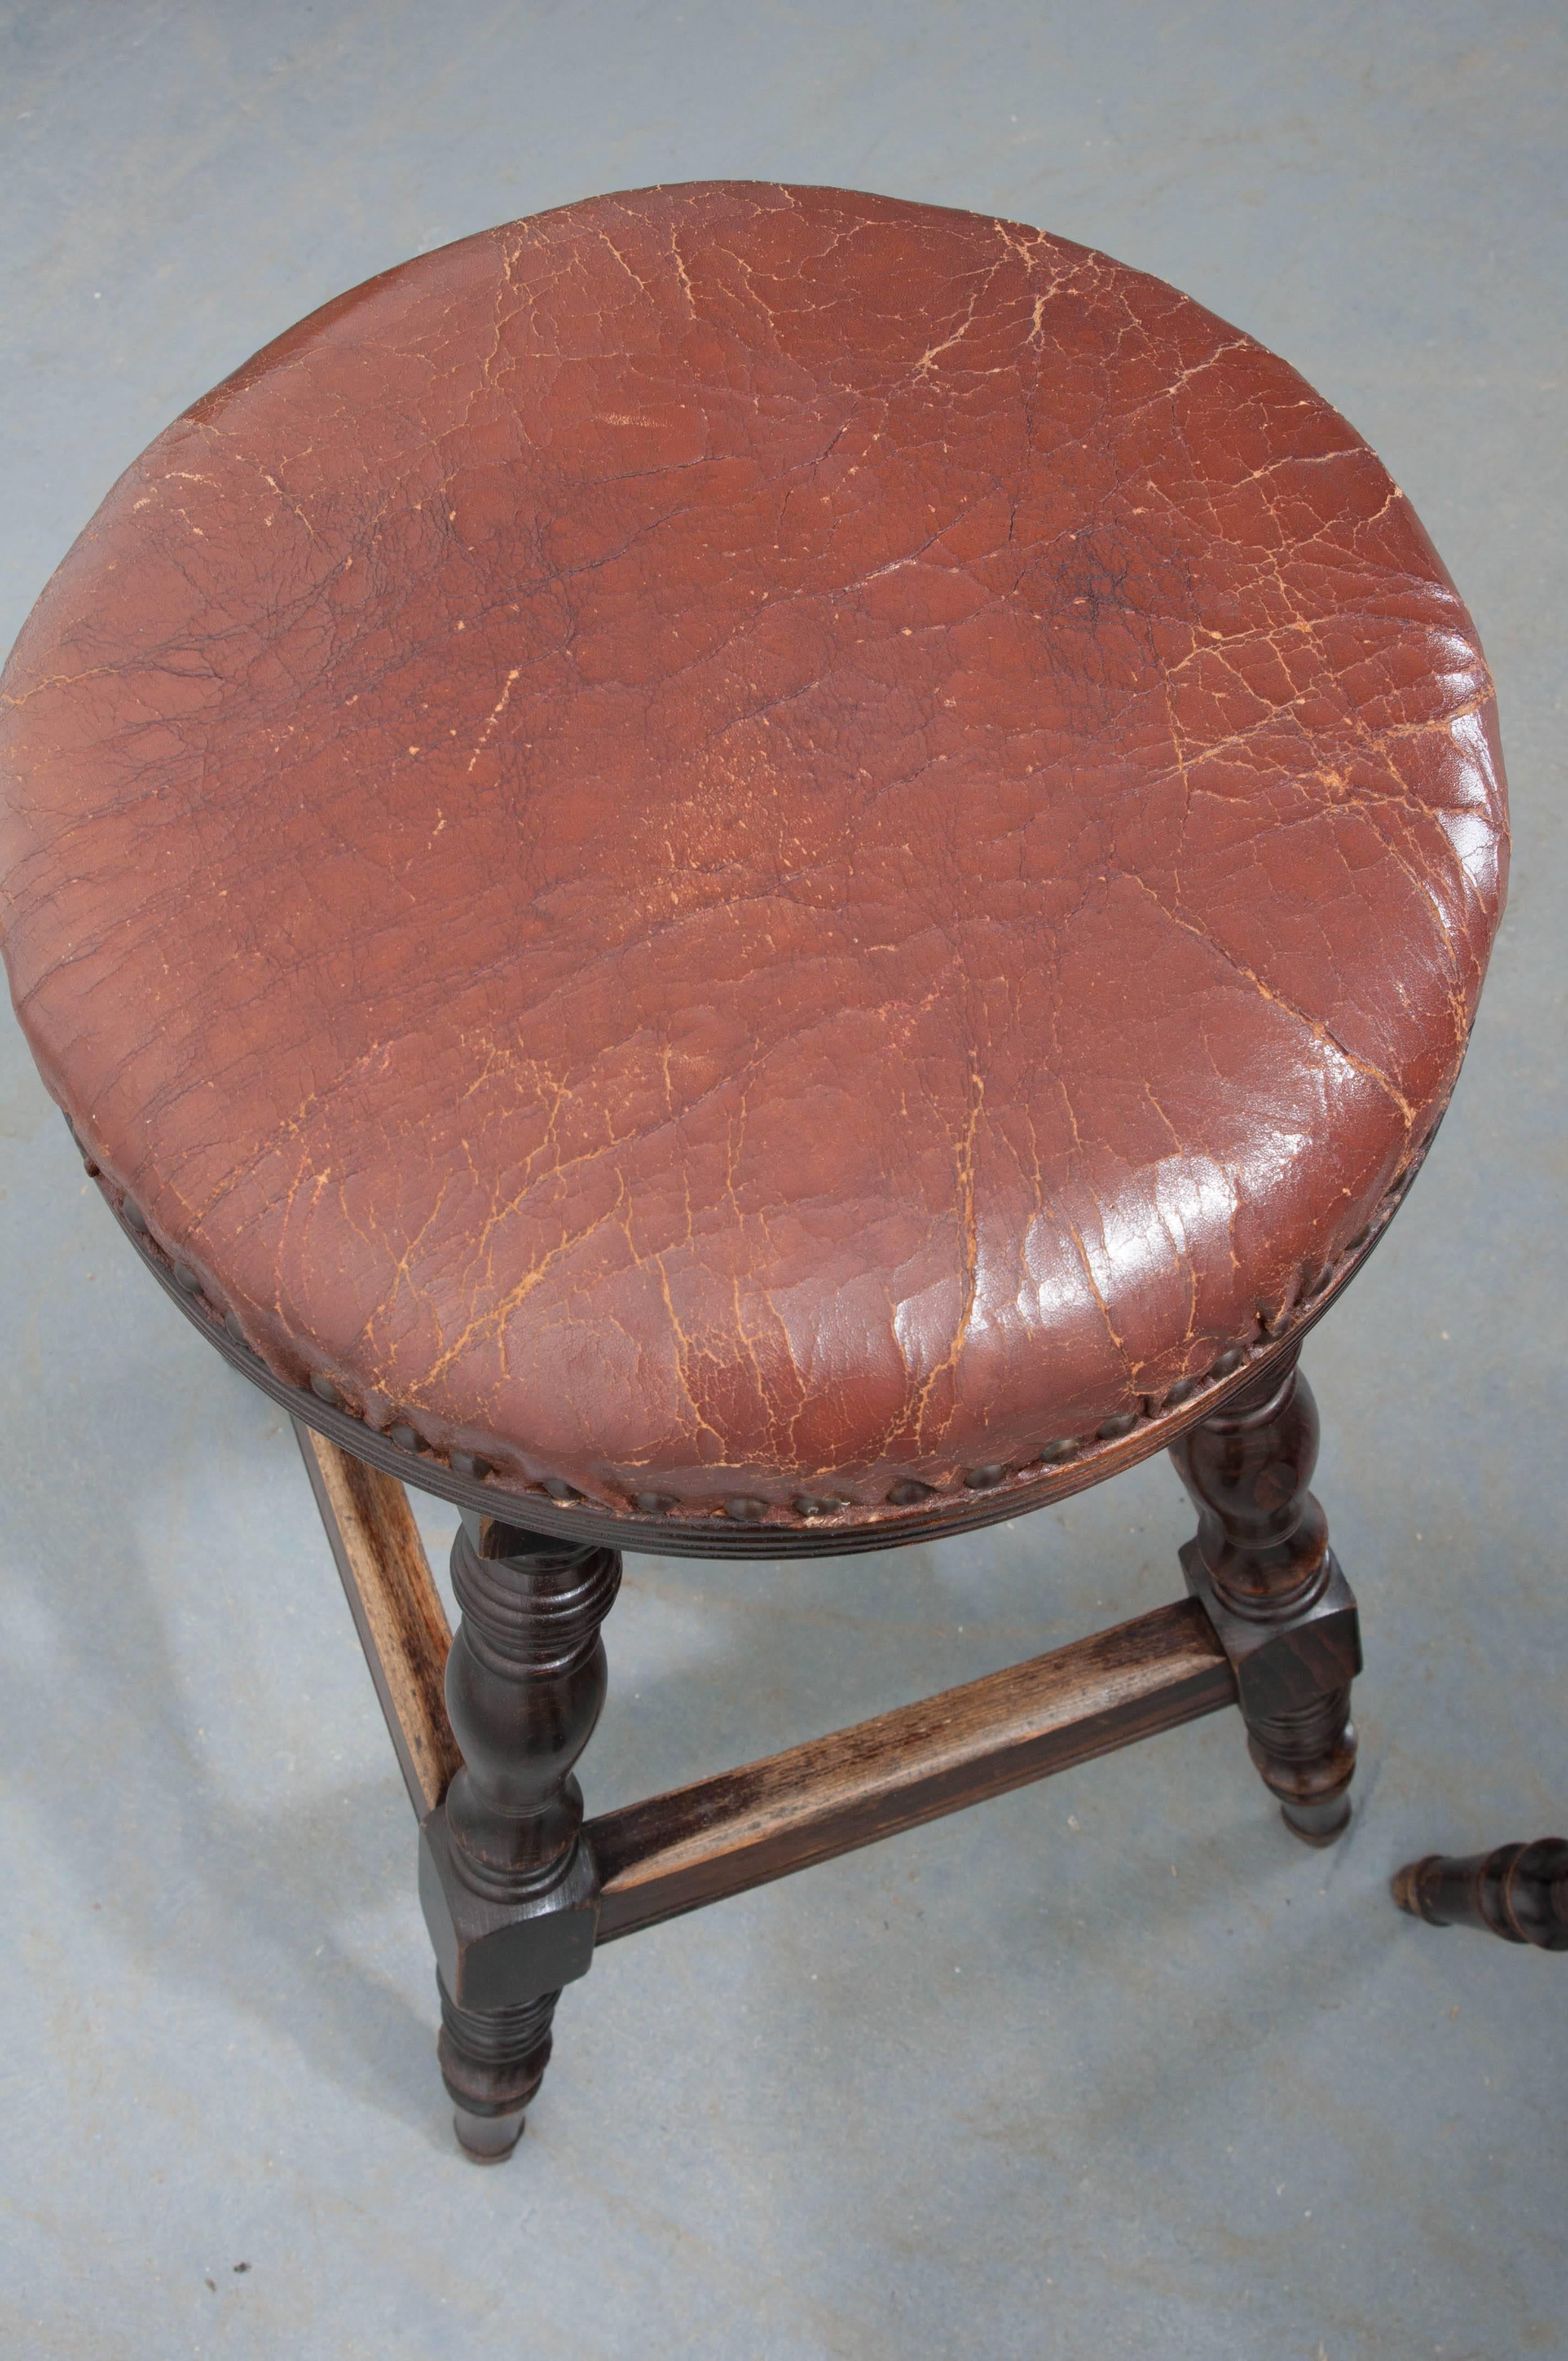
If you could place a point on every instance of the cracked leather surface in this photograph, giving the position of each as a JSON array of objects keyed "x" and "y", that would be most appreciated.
[{"x": 739, "y": 839}]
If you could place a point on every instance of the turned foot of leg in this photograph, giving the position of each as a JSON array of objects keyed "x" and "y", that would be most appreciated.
[
  {"x": 1261, "y": 1564},
  {"x": 492, "y": 2064},
  {"x": 1308, "y": 1761}
]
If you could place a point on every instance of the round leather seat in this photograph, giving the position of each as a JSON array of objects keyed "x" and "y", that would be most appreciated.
[{"x": 753, "y": 858}]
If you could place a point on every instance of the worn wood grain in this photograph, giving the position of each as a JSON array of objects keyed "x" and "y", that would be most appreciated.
[
  {"x": 723, "y": 1835},
  {"x": 396, "y": 1606}
]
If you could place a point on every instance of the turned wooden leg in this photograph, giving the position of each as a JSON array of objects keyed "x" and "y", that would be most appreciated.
[
  {"x": 1519, "y": 1892},
  {"x": 1261, "y": 1564},
  {"x": 509, "y": 1890}
]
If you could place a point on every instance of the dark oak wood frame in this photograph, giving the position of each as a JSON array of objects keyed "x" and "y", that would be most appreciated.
[{"x": 519, "y": 1889}]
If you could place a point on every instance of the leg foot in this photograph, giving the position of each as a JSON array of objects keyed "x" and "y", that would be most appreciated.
[
  {"x": 1316, "y": 1824},
  {"x": 1261, "y": 1564},
  {"x": 492, "y": 2063},
  {"x": 486, "y": 2140},
  {"x": 1308, "y": 1761}
]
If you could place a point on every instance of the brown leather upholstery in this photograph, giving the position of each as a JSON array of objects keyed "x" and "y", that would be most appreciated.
[{"x": 750, "y": 845}]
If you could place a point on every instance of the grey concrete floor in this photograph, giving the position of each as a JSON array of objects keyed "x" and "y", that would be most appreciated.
[{"x": 1110, "y": 2067}]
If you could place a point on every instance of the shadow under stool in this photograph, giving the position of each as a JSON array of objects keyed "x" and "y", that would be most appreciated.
[{"x": 743, "y": 872}]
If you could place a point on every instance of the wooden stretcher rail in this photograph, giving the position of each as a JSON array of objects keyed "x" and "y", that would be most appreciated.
[
  {"x": 396, "y": 1606},
  {"x": 677, "y": 1852},
  {"x": 696, "y": 1845}
]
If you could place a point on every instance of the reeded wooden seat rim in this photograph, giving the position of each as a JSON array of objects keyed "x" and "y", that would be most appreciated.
[{"x": 781, "y": 1532}]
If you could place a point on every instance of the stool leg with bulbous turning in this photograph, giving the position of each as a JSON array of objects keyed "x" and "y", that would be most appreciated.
[
  {"x": 1261, "y": 1565},
  {"x": 510, "y": 1889}
]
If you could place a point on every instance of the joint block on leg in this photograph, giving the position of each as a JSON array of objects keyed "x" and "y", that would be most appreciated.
[
  {"x": 1293, "y": 1678},
  {"x": 493, "y": 1955},
  {"x": 1284, "y": 1666}
]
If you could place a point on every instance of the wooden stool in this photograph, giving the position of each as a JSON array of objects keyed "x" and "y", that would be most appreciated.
[{"x": 748, "y": 871}]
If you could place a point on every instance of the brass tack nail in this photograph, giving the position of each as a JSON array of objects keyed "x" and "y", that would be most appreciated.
[
  {"x": 745, "y": 1512},
  {"x": 652, "y": 1504},
  {"x": 406, "y": 1437},
  {"x": 186, "y": 1277},
  {"x": 1062, "y": 1448},
  {"x": 559, "y": 1489},
  {"x": 1231, "y": 1359},
  {"x": 133, "y": 1217},
  {"x": 1110, "y": 1429},
  {"x": 1359, "y": 1240},
  {"x": 232, "y": 1322},
  {"x": 1182, "y": 1390},
  {"x": 324, "y": 1391},
  {"x": 467, "y": 1463},
  {"x": 808, "y": 1504},
  {"x": 985, "y": 1479},
  {"x": 1316, "y": 1286},
  {"x": 909, "y": 1489}
]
